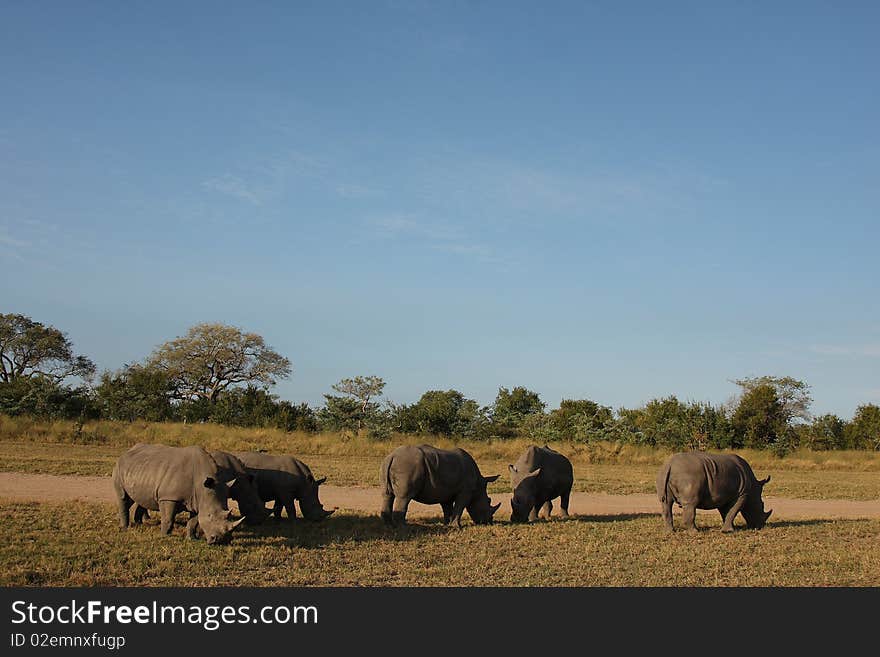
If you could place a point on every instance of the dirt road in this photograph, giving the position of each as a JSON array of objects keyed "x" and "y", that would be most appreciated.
[{"x": 55, "y": 488}]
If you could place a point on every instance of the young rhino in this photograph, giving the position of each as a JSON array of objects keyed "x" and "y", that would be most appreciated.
[
  {"x": 539, "y": 476},
  {"x": 172, "y": 479},
  {"x": 283, "y": 479},
  {"x": 448, "y": 477},
  {"x": 697, "y": 480},
  {"x": 244, "y": 488}
]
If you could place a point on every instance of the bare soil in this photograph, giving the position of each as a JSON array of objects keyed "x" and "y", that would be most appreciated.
[{"x": 59, "y": 488}]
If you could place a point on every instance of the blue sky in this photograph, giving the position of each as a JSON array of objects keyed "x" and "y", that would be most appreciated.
[{"x": 616, "y": 201}]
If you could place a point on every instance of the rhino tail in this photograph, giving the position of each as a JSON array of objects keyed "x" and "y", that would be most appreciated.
[
  {"x": 663, "y": 483},
  {"x": 386, "y": 475}
]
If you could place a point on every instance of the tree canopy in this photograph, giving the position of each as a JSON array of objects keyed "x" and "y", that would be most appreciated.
[
  {"x": 212, "y": 357},
  {"x": 31, "y": 349}
]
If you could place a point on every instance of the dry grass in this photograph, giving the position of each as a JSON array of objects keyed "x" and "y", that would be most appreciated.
[
  {"x": 28, "y": 445},
  {"x": 54, "y": 545}
]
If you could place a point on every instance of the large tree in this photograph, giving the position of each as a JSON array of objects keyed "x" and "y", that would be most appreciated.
[
  {"x": 30, "y": 349},
  {"x": 864, "y": 430},
  {"x": 760, "y": 419},
  {"x": 793, "y": 395},
  {"x": 512, "y": 406},
  {"x": 360, "y": 389},
  {"x": 212, "y": 357}
]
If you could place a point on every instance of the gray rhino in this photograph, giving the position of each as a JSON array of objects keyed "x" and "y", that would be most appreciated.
[
  {"x": 698, "y": 480},
  {"x": 539, "y": 476},
  {"x": 426, "y": 474},
  {"x": 173, "y": 479},
  {"x": 244, "y": 490},
  {"x": 283, "y": 479}
]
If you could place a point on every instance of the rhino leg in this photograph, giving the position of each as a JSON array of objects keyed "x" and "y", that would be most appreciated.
[
  {"x": 167, "y": 509},
  {"x": 192, "y": 526},
  {"x": 533, "y": 514},
  {"x": 139, "y": 514},
  {"x": 563, "y": 503},
  {"x": 447, "y": 511},
  {"x": 387, "y": 506},
  {"x": 124, "y": 503},
  {"x": 666, "y": 512},
  {"x": 289, "y": 506},
  {"x": 398, "y": 511},
  {"x": 547, "y": 509},
  {"x": 730, "y": 516},
  {"x": 689, "y": 516},
  {"x": 458, "y": 506},
  {"x": 276, "y": 509}
]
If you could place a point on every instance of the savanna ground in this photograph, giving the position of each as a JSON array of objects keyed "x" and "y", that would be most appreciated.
[{"x": 54, "y": 544}]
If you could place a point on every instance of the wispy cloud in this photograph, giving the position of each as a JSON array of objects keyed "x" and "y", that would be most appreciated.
[
  {"x": 864, "y": 350},
  {"x": 439, "y": 237},
  {"x": 237, "y": 187}
]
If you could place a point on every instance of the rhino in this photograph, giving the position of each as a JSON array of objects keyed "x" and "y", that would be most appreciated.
[
  {"x": 244, "y": 490},
  {"x": 283, "y": 479},
  {"x": 426, "y": 474},
  {"x": 539, "y": 476},
  {"x": 699, "y": 480},
  {"x": 173, "y": 479}
]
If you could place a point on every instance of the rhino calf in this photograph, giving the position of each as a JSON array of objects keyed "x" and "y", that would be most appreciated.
[
  {"x": 173, "y": 479},
  {"x": 698, "y": 480},
  {"x": 244, "y": 490},
  {"x": 283, "y": 479},
  {"x": 539, "y": 476},
  {"x": 448, "y": 477}
]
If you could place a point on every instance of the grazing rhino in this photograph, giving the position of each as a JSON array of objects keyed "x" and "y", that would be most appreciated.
[
  {"x": 698, "y": 480},
  {"x": 173, "y": 479},
  {"x": 244, "y": 490},
  {"x": 283, "y": 479},
  {"x": 539, "y": 476},
  {"x": 448, "y": 477}
]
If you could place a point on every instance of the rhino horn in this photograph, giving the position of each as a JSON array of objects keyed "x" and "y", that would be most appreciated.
[
  {"x": 231, "y": 482},
  {"x": 236, "y": 523},
  {"x": 329, "y": 513},
  {"x": 494, "y": 508},
  {"x": 320, "y": 481},
  {"x": 489, "y": 480},
  {"x": 767, "y": 515},
  {"x": 764, "y": 481}
]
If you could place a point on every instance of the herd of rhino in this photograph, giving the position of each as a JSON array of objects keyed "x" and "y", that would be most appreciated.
[{"x": 175, "y": 479}]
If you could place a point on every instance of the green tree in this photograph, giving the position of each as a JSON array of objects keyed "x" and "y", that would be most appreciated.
[
  {"x": 30, "y": 349},
  {"x": 212, "y": 357},
  {"x": 135, "y": 392},
  {"x": 760, "y": 418},
  {"x": 512, "y": 406},
  {"x": 863, "y": 432},
  {"x": 793, "y": 395},
  {"x": 362, "y": 389},
  {"x": 824, "y": 432},
  {"x": 342, "y": 414},
  {"x": 582, "y": 420}
]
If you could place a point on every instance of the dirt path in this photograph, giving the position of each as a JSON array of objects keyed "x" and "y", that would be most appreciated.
[{"x": 57, "y": 488}]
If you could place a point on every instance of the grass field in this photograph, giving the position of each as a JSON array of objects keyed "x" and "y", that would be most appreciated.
[
  {"x": 51, "y": 545},
  {"x": 62, "y": 448}
]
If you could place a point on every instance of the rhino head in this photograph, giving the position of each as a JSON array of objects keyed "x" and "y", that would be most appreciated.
[
  {"x": 243, "y": 489},
  {"x": 309, "y": 504},
  {"x": 481, "y": 508},
  {"x": 213, "y": 512},
  {"x": 753, "y": 509},
  {"x": 524, "y": 494}
]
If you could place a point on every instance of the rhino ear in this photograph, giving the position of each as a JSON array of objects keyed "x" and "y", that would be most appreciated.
[
  {"x": 489, "y": 480},
  {"x": 320, "y": 481},
  {"x": 210, "y": 482},
  {"x": 511, "y": 468},
  {"x": 763, "y": 482}
]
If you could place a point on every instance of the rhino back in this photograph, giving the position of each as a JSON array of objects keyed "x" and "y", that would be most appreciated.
[
  {"x": 447, "y": 474},
  {"x": 277, "y": 475},
  {"x": 153, "y": 473},
  {"x": 556, "y": 476},
  {"x": 706, "y": 480}
]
